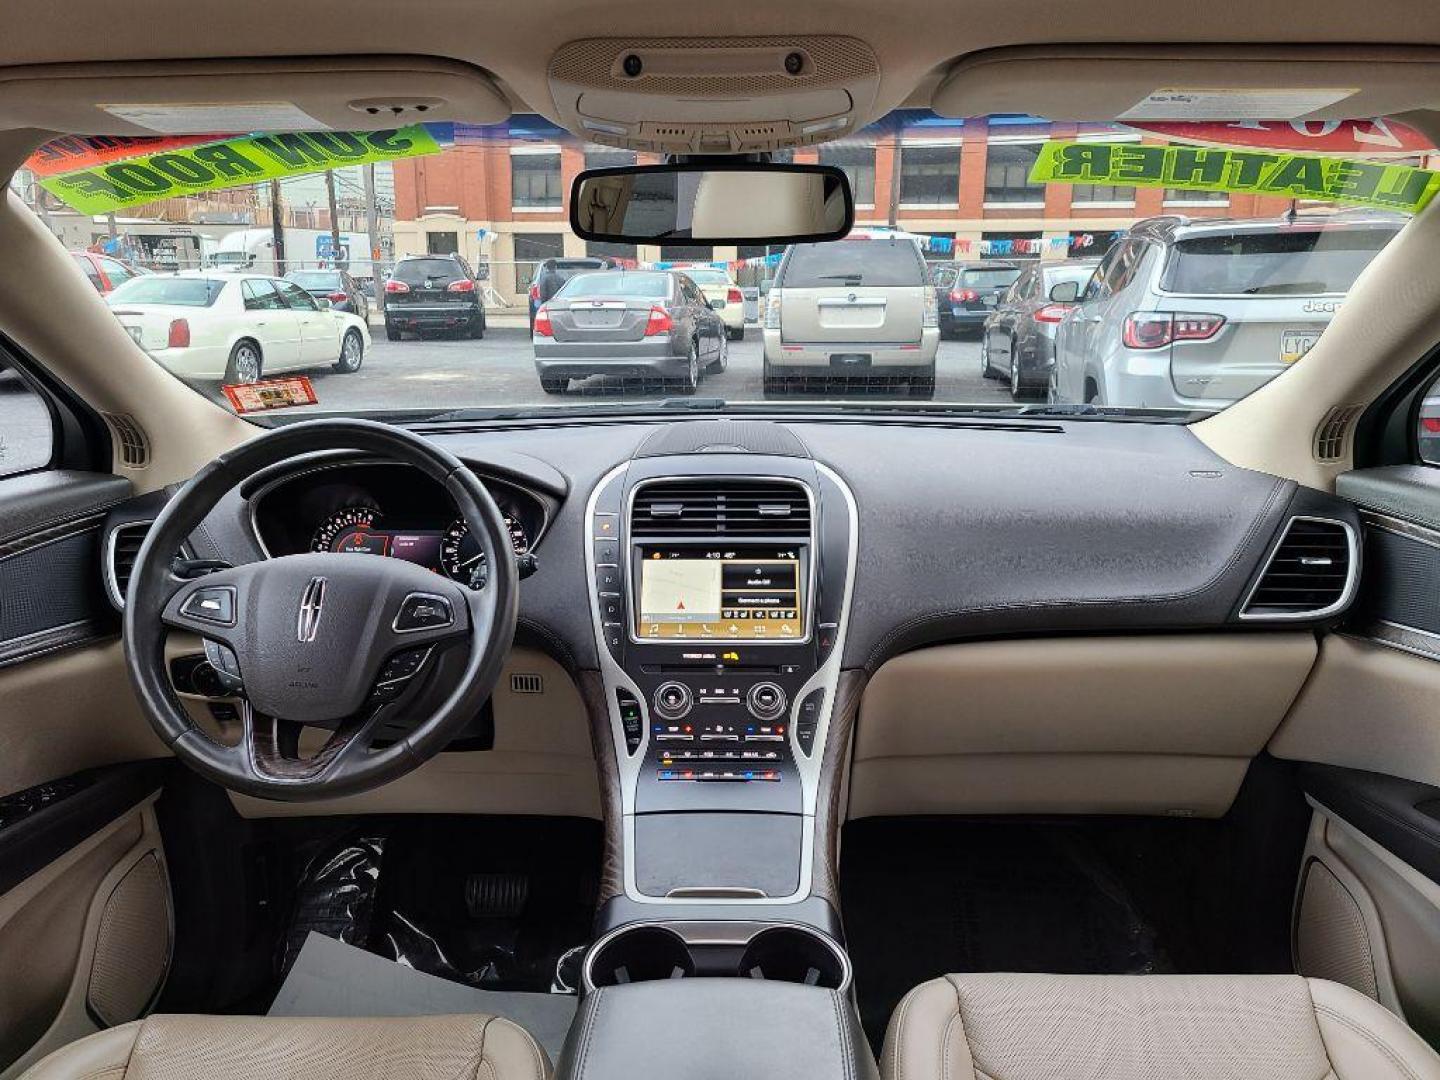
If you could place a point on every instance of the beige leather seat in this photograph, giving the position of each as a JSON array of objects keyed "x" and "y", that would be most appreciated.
[
  {"x": 266, "y": 1048},
  {"x": 1148, "y": 1027}
]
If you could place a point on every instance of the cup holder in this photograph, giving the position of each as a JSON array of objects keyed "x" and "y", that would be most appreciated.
[
  {"x": 789, "y": 954},
  {"x": 644, "y": 954},
  {"x": 747, "y": 950}
]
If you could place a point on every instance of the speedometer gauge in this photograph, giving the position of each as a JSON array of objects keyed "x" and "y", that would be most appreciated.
[
  {"x": 350, "y": 530},
  {"x": 460, "y": 555}
]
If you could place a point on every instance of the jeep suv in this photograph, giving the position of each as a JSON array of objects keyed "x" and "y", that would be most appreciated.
[{"x": 1196, "y": 314}]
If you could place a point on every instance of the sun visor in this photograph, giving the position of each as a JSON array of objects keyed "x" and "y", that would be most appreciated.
[
  {"x": 1107, "y": 83},
  {"x": 714, "y": 95},
  {"x": 181, "y": 98}
]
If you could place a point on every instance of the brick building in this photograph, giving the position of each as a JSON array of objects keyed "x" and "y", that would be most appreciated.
[{"x": 505, "y": 204}]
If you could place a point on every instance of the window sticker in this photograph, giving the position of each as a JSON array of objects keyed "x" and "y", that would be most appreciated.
[
  {"x": 1374, "y": 184},
  {"x": 194, "y": 118},
  {"x": 270, "y": 394},
  {"x": 1184, "y": 103}
]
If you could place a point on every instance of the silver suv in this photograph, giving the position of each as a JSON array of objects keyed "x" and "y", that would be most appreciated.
[{"x": 1194, "y": 315}]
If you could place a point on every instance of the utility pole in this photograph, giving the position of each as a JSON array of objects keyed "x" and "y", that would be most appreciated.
[
  {"x": 894, "y": 216},
  {"x": 335, "y": 256},
  {"x": 114, "y": 233},
  {"x": 372, "y": 230},
  {"x": 277, "y": 228}
]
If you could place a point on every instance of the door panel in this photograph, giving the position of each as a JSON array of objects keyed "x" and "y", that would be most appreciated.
[{"x": 1368, "y": 901}]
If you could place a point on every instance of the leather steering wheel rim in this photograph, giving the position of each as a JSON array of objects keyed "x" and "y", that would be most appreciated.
[{"x": 485, "y": 616}]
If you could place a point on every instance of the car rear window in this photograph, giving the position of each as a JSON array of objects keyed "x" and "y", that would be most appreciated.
[
  {"x": 315, "y": 279},
  {"x": 177, "y": 291},
  {"x": 990, "y": 278},
  {"x": 654, "y": 286},
  {"x": 875, "y": 263},
  {"x": 707, "y": 277},
  {"x": 1291, "y": 263},
  {"x": 418, "y": 271},
  {"x": 1078, "y": 274}
]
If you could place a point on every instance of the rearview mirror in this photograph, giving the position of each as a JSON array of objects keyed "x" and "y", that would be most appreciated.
[
  {"x": 743, "y": 203},
  {"x": 1067, "y": 292}
]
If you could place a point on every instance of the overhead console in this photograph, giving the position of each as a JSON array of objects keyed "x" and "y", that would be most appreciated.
[
  {"x": 720, "y": 585},
  {"x": 714, "y": 95}
]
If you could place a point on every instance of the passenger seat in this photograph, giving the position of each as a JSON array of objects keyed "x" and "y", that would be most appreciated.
[{"x": 1148, "y": 1027}]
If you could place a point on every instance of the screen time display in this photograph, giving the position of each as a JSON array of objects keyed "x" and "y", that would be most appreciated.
[{"x": 738, "y": 594}]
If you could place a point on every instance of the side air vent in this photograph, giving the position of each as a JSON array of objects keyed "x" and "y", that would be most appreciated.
[
  {"x": 1332, "y": 437},
  {"x": 1310, "y": 574},
  {"x": 133, "y": 447},
  {"x": 120, "y": 552},
  {"x": 729, "y": 508}
]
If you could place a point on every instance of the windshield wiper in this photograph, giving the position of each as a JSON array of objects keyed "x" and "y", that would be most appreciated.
[{"x": 857, "y": 278}]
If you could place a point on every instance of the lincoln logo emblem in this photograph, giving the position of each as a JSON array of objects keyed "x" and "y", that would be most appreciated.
[{"x": 310, "y": 604}]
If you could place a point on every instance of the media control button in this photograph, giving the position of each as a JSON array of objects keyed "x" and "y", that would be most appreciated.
[
  {"x": 213, "y": 605},
  {"x": 607, "y": 578},
  {"x": 614, "y": 634},
  {"x": 610, "y": 607},
  {"x": 807, "y": 720},
  {"x": 607, "y": 551},
  {"x": 673, "y": 700},
  {"x": 607, "y": 526},
  {"x": 766, "y": 701},
  {"x": 423, "y": 611}
]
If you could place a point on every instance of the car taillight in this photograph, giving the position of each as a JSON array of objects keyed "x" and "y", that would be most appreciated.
[
  {"x": 1051, "y": 313},
  {"x": 179, "y": 334},
  {"x": 534, "y": 294},
  {"x": 772, "y": 310},
  {"x": 543, "y": 326},
  {"x": 734, "y": 296},
  {"x": 1431, "y": 424},
  {"x": 463, "y": 285},
  {"x": 963, "y": 296},
  {"x": 1156, "y": 329},
  {"x": 337, "y": 298},
  {"x": 659, "y": 322},
  {"x": 396, "y": 287}
]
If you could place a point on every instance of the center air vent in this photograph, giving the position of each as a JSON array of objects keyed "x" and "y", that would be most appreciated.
[
  {"x": 1309, "y": 575},
  {"x": 715, "y": 508},
  {"x": 123, "y": 547}
]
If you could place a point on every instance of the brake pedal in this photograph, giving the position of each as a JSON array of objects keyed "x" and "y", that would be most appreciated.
[{"x": 496, "y": 896}]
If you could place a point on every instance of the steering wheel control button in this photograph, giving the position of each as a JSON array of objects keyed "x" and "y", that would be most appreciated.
[
  {"x": 215, "y": 604},
  {"x": 397, "y": 672},
  {"x": 226, "y": 666},
  {"x": 423, "y": 611},
  {"x": 807, "y": 722},
  {"x": 766, "y": 701},
  {"x": 672, "y": 700}
]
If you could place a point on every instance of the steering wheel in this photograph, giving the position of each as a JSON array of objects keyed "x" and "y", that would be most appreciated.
[{"x": 352, "y": 644}]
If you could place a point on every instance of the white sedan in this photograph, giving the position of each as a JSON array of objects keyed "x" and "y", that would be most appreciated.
[{"x": 236, "y": 327}]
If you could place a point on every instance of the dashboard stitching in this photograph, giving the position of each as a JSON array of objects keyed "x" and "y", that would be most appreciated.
[{"x": 878, "y": 652}]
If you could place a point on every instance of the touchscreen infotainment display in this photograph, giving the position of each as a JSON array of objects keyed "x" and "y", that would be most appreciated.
[{"x": 737, "y": 594}]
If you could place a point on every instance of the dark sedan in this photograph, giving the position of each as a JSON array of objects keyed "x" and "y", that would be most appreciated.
[
  {"x": 968, "y": 292},
  {"x": 645, "y": 327},
  {"x": 337, "y": 286},
  {"x": 1018, "y": 342}
]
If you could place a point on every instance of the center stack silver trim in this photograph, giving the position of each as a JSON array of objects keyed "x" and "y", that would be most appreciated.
[{"x": 826, "y": 677}]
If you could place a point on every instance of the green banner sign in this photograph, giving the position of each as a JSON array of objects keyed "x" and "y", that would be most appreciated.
[
  {"x": 1251, "y": 172},
  {"x": 233, "y": 163}
]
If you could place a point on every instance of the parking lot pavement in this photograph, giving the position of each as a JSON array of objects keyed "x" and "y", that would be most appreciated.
[{"x": 500, "y": 370}]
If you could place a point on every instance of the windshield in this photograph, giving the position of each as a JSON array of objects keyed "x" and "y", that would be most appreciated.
[
  {"x": 170, "y": 291},
  {"x": 1181, "y": 284},
  {"x": 655, "y": 286}
]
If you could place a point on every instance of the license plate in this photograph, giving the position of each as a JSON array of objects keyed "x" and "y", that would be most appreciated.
[
  {"x": 1296, "y": 343},
  {"x": 597, "y": 320},
  {"x": 136, "y": 335}
]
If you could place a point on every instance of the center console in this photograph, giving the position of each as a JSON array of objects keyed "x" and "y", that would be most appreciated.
[{"x": 720, "y": 588}]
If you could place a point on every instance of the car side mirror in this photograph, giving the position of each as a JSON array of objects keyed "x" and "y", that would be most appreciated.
[
  {"x": 743, "y": 203},
  {"x": 1066, "y": 292}
]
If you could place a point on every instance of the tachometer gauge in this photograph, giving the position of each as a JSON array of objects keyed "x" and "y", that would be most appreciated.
[
  {"x": 460, "y": 555},
  {"x": 351, "y": 530}
]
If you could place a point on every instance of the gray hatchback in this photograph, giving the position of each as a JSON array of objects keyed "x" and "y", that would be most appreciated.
[
  {"x": 643, "y": 327},
  {"x": 1194, "y": 315}
]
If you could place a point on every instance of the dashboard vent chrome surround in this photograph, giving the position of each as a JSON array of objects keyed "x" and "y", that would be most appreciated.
[
  {"x": 1310, "y": 574},
  {"x": 714, "y": 508},
  {"x": 121, "y": 548},
  {"x": 1332, "y": 437},
  {"x": 132, "y": 447}
]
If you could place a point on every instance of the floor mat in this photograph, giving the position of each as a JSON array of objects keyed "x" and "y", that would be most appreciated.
[
  {"x": 330, "y": 978},
  {"x": 923, "y": 898}
]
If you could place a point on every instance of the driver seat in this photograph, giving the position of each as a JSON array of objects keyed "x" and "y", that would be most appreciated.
[{"x": 317, "y": 1048}]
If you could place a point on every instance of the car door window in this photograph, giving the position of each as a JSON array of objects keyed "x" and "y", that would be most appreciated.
[
  {"x": 260, "y": 296},
  {"x": 296, "y": 297},
  {"x": 27, "y": 434}
]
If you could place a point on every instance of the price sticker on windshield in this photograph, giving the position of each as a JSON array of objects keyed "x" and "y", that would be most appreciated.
[{"x": 270, "y": 394}]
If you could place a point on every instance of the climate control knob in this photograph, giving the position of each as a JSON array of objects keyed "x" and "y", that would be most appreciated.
[
  {"x": 766, "y": 701},
  {"x": 672, "y": 700}
]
